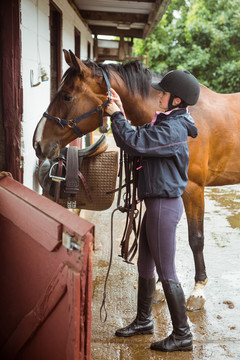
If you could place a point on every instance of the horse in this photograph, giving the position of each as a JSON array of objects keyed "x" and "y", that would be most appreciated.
[{"x": 213, "y": 155}]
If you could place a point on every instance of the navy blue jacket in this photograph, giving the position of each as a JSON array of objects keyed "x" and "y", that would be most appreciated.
[{"x": 163, "y": 150}]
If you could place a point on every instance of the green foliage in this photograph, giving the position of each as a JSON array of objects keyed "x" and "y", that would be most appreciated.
[{"x": 202, "y": 36}]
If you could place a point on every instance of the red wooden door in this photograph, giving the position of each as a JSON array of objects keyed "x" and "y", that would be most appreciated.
[
  {"x": 46, "y": 290},
  {"x": 11, "y": 91}
]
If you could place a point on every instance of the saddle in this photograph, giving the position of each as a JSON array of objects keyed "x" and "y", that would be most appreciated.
[{"x": 82, "y": 179}]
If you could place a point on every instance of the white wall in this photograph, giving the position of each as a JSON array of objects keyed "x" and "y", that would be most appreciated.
[{"x": 35, "y": 35}]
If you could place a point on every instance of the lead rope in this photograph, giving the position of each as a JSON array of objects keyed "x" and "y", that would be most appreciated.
[
  {"x": 130, "y": 203},
  {"x": 103, "y": 306}
]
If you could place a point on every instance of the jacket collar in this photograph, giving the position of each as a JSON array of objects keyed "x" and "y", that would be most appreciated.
[{"x": 179, "y": 111}]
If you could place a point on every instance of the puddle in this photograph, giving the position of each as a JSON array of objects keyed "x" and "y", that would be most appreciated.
[
  {"x": 234, "y": 221},
  {"x": 228, "y": 197}
]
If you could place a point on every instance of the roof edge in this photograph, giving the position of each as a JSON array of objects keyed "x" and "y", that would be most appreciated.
[{"x": 158, "y": 10}]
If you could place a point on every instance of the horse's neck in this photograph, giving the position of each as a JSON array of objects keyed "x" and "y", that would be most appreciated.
[
  {"x": 139, "y": 113},
  {"x": 138, "y": 110}
]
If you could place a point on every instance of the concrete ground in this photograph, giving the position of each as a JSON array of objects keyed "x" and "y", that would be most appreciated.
[{"x": 216, "y": 329}]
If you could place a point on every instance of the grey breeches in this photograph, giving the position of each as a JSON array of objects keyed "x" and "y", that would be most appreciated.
[{"x": 157, "y": 244}]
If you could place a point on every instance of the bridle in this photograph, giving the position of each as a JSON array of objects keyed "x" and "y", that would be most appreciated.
[{"x": 99, "y": 109}]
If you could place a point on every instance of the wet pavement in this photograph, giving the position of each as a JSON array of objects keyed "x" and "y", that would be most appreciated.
[{"x": 216, "y": 329}]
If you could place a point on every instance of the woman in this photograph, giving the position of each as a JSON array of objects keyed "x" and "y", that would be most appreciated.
[{"x": 162, "y": 147}]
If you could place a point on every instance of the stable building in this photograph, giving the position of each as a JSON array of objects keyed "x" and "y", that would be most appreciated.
[{"x": 33, "y": 34}]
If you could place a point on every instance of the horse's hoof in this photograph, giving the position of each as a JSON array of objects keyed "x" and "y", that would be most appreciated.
[{"x": 195, "y": 303}]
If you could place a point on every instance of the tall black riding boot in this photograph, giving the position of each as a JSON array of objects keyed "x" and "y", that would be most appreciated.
[
  {"x": 181, "y": 337},
  {"x": 143, "y": 324}
]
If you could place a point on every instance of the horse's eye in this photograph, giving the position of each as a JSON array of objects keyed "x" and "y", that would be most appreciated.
[{"x": 67, "y": 97}]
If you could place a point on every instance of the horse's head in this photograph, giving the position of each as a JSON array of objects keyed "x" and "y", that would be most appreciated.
[{"x": 83, "y": 90}]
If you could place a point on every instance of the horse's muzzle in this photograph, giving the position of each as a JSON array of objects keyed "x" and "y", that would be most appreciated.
[{"x": 50, "y": 151}]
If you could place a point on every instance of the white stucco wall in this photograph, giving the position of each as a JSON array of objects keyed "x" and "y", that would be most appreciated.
[{"x": 35, "y": 35}]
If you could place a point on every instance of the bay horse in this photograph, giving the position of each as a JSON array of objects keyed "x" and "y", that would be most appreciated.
[{"x": 214, "y": 154}]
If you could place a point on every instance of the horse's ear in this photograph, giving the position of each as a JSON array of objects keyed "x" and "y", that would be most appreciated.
[
  {"x": 78, "y": 64},
  {"x": 67, "y": 57},
  {"x": 74, "y": 61},
  {"x": 71, "y": 59}
]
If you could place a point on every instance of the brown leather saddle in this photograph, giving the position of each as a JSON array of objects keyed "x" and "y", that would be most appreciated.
[{"x": 81, "y": 178}]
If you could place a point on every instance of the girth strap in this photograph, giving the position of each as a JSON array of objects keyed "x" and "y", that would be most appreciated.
[
  {"x": 72, "y": 179},
  {"x": 57, "y": 185}
]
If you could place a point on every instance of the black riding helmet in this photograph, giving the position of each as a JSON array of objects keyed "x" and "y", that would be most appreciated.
[{"x": 180, "y": 84}]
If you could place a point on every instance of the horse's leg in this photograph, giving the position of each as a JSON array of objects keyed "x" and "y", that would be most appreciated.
[{"x": 193, "y": 198}]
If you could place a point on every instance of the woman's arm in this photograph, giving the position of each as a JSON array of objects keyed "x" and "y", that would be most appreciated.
[{"x": 146, "y": 140}]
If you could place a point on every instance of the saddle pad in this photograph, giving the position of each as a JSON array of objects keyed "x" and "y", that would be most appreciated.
[{"x": 100, "y": 173}]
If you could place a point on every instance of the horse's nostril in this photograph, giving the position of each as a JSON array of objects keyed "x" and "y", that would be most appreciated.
[
  {"x": 51, "y": 150},
  {"x": 38, "y": 147},
  {"x": 38, "y": 150}
]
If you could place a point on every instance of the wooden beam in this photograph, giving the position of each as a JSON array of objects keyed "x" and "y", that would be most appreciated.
[
  {"x": 113, "y": 16},
  {"x": 76, "y": 9},
  {"x": 107, "y": 30},
  {"x": 156, "y": 14},
  {"x": 146, "y": 1}
]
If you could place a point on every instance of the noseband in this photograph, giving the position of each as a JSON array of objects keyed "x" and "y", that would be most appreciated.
[{"x": 99, "y": 109}]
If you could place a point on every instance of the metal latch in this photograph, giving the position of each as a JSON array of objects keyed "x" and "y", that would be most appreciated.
[{"x": 70, "y": 242}]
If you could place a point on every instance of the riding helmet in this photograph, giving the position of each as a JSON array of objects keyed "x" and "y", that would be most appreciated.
[{"x": 180, "y": 83}]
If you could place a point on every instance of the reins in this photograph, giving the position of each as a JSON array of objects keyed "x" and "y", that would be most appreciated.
[
  {"x": 73, "y": 123},
  {"x": 128, "y": 251},
  {"x": 129, "y": 165}
]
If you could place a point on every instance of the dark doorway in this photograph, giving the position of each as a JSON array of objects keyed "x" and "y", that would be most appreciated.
[
  {"x": 2, "y": 130},
  {"x": 77, "y": 42},
  {"x": 89, "y": 50},
  {"x": 55, "y": 47}
]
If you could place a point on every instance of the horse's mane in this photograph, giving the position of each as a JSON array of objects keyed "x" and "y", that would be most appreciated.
[{"x": 136, "y": 77}]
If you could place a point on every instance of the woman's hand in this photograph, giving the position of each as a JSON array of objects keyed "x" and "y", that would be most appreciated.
[
  {"x": 116, "y": 98},
  {"x": 111, "y": 108},
  {"x": 115, "y": 104}
]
